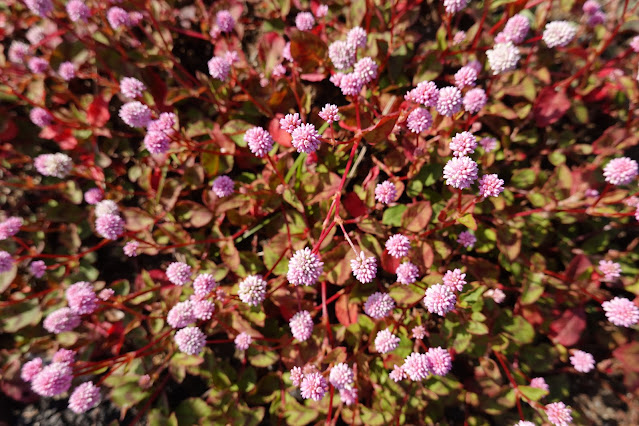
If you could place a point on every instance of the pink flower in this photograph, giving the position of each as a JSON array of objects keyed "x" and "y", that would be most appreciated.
[
  {"x": 106, "y": 294},
  {"x": 93, "y": 196},
  {"x": 81, "y": 298},
  {"x": 223, "y": 186},
  {"x": 64, "y": 319},
  {"x": 118, "y": 17},
  {"x": 385, "y": 192},
  {"x": 439, "y": 299},
  {"x": 378, "y": 305},
  {"x": 259, "y": 141},
  {"x": 465, "y": 77},
  {"x": 558, "y": 414},
  {"x": 321, "y": 11},
  {"x": 6, "y": 261},
  {"x": 591, "y": 7},
  {"x": 304, "y": 268},
  {"x": 610, "y": 269},
  {"x": 18, "y": 50},
  {"x": 419, "y": 120},
  {"x": 459, "y": 38},
  {"x": 496, "y": 294},
  {"x": 301, "y": 325},
  {"x": 286, "y": 52},
  {"x": 597, "y": 18},
  {"x": 296, "y": 376},
  {"x": 364, "y": 268},
  {"x": 351, "y": 84},
  {"x": 132, "y": 87},
  {"x": 454, "y": 279},
  {"x": 634, "y": 44},
  {"x": 454, "y": 6},
  {"x": 386, "y": 341},
  {"x": 488, "y": 143},
  {"x": 203, "y": 309},
  {"x": 539, "y": 383},
  {"x": 219, "y": 68},
  {"x": 439, "y": 361},
  {"x": 52, "y": 380},
  {"x": 39, "y": 7},
  {"x": 106, "y": 207},
  {"x": 305, "y": 138},
  {"x": 341, "y": 375},
  {"x": 419, "y": 332},
  {"x": 135, "y": 114},
  {"x": 621, "y": 171},
  {"x": 110, "y": 226},
  {"x": 57, "y": 165},
  {"x": 84, "y": 397},
  {"x": 157, "y": 142},
  {"x": 559, "y": 33},
  {"x": 398, "y": 374},
  {"x": 30, "y": 369},
  {"x": 178, "y": 273},
  {"x": 225, "y": 21},
  {"x": 78, "y": 11},
  {"x": 38, "y": 268},
  {"x": 131, "y": 248},
  {"x": 313, "y": 386},
  {"x": 398, "y": 246},
  {"x": 10, "y": 227},
  {"x": 190, "y": 340},
  {"x": 426, "y": 93},
  {"x": 252, "y": 290},
  {"x": 348, "y": 395},
  {"x": 66, "y": 70},
  {"x": 407, "y": 273},
  {"x": 41, "y": 118},
  {"x": 582, "y": 361},
  {"x": 304, "y": 21},
  {"x": 165, "y": 123},
  {"x": 181, "y": 315},
  {"x": 503, "y": 57},
  {"x": 524, "y": 423},
  {"x": 329, "y": 113},
  {"x": 290, "y": 122},
  {"x": 357, "y": 37},
  {"x": 342, "y": 55},
  {"x": 366, "y": 70},
  {"x": 416, "y": 366},
  {"x": 449, "y": 102},
  {"x": 621, "y": 312},
  {"x": 204, "y": 284},
  {"x": 490, "y": 186},
  {"x": 475, "y": 100},
  {"x": 463, "y": 143},
  {"x": 515, "y": 30},
  {"x": 460, "y": 172}
]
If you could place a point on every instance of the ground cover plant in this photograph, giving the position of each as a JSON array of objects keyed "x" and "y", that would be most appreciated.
[{"x": 344, "y": 212}]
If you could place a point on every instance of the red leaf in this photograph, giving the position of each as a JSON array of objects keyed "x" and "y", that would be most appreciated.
[
  {"x": 354, "y": 206},
  {"x": 157, "y": 87},
  {"x": 279, "y": 135},
  {"x": 8, "y": 131},
  {"x": 345, "y": 312},
  {"x": 389, "y": 263},
  {"x": 577, "y": 266},
  {"x": 98, "y": 112},
  {"x": 628, "y": 355},
  {"x": 568, "y": 328},
  {"x": 550, "y": 106},
  {"x": 313, "y": 76},
  {"x": 61, "y": 134}
]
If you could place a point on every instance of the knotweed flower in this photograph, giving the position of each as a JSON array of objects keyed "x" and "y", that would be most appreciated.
[
  {"x": 454, "y": 279},
  {"x": 10, "y": 227},
  {"x": 515, "y": 30},
  {"x": 440, "y": 299},
  {"x": 259, "y": 141},
  {"x": 6, "y": 261},
  {"x": 252, "y": 290},
  {"x": 243, "y": 341},
  {"x": 305, "y": 138},
  {"x": 398, "y": 374},
  {"x": 475, "y": 100},
  {"x": 204, "y": 284},
  {"x": 496, "y": 294},
  {"x": 131, "y": 248},
  {"x": 106, "y": 294},
  {"x": 301, "y": 325},
  {"x": 386, "y": 341},
  {"x": 304, "y": 21},
  {"x": 490, "y": 186},
  {"x": 31, "y": 369},
  {"x": 364, "y": 268},
  {"x": 132, "y": 87},
  {"x": 621, "y": 171},
  {"x": 57, "y": 165},
  {"x": 190, "y": 340},
  {"x": 621, "y": 312},
  {"x": 591, "y": 7},
  {"x": 178, "y": 273},
  {"x": 559, "y": 33},
  {"x": 313, "y": 386},
  {"x": 157, "y": 142},
  {"x": 366, "y": 70},
  {"x": 459, "y": 38},
  {"x": 203, "y": 309},
  {"x": 38, "y": 268},
  {"x": 165, "y": 123},
  {"x": 38, "y": 65},
  {"x": 378, "y": 305},
  {"x": 610, "y": 269},
  {"x": 524, "y": 423},
  {"x": 329, "y": 113},
  {"x": 81, "y": 298},
  {"x": 66, "y": 70},
  {"x": 489, "y": 144},
  {"x": 110, "y": 226},
  {"x": 135, "y": 114},
  {"x": 78, "y": 11},
  {"x": 304, "y": 268},
  {"x": 449, "y": 101},
  {"x": 398, "y": 246},
  {"x": 39, "y": 7},
  {"x": 41, "y": 118},
  {"x": 385, "y": 192},
  {"x": 426, "y": 93},
  {"x": 106, "y": 207},
  {"x": 225, "y": 21},
  {"x": 219, "y": 68},
  {"x": 419, "y": 332},
  {"x": 419, "y": 120},
  {"x": 539, "y": 383},
  {"x": 582, "y": 361},
  {"x": 93, "y": 196},
  {"x": 416, "y": 366},
  {"x": 342, "y": 55},
  {"x": 348, "y": 394},
  {"x": 439, "y": 361},
  {"x": 18, "y": 50},
  {"x": 634, "y": 44},
  {"x": 597, "y": 18},
  {"x": 321, "y": 11},
  {"x": 341, "y": 375},
  {"x": 463, "y": 143},
  {"x": 503, "y": 57},
  {"x": 61, "y": 320},
  {"x": 454, "y": 6},
  {"x": 296, "y": 376},
  {"x": 290, "y": 122},
  {"x": 286, "y": 52},
  {"x": 181, "y": 315},
  {"x": 351, "y": 84},
  {"x": 407, "y": 273},
  {"x": 84, "y": 397},
  {"x": 223, "y": 186},
  {"x": 118, "y": 17},
  {"x": 465, "y": 77},
  {"x": 460, "y": 172},
  {"x": 52, "y": 380},
  {"x": 356, "y": 37},
  {"x": 558, "y": 414}
]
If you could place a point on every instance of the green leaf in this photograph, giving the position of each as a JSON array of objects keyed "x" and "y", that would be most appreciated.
[
  {"x": 393, "y": 215},
  {"x": 468, "y": 221},
  {"x": 192, "y": 411},
  {"x": 264, "y": 359},
  {"x": 532, "y": 393},
  {"x": 416, "y": 216}
]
